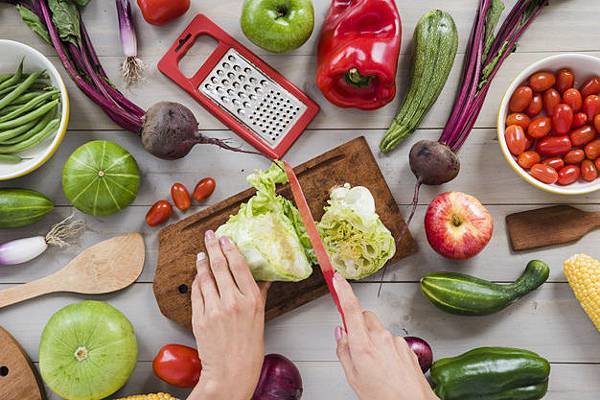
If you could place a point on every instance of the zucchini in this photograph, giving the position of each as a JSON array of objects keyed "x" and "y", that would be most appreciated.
[
  {"x": 22, "y": 207},
  {"x": 436, "y": 42},
  {"x": 466, "y": 295}
]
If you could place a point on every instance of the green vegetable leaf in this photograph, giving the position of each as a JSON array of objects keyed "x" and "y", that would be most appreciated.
[
  {"x": 65, "y": 16},
  {"x": 487, "y": 70},
  {"x": 491, "y": 21},
  {"x": 81, "y": 3},
  {"x": 34, "y": 22}
]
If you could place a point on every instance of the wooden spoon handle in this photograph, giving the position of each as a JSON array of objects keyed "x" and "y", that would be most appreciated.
[{"x": 29, "y": 290}]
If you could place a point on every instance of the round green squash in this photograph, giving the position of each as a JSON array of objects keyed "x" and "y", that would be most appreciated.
[
  {"x": 101, "y": 178},
  {"x": 88, "y": 351}
]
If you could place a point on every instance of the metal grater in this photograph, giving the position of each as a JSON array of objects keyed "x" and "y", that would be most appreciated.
[{"x": 240, "y": 89}]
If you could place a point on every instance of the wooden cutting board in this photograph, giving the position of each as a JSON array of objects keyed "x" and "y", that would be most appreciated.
[
  {"x": 18, "y": 378},
  {"x": 179, "y": 243}
]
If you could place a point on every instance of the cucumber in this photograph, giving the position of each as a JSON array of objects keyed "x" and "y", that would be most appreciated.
[
  {"x": 22, "y": 207},
  {"x": 466, "y": 295},
  {"x": 436, "y": 42}
]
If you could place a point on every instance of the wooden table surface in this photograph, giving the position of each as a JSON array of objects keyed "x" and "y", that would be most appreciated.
[{"x": 548, "y": 321}]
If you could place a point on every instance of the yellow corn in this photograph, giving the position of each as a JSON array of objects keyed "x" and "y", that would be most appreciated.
[
  {"x": 153, "y": 396},
  {"x": 583, "y": 274}
]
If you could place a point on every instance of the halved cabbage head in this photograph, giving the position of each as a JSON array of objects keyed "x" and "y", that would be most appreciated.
[
  {"x": 269, "y": 232},
  {"x": 355, "y": 238}
]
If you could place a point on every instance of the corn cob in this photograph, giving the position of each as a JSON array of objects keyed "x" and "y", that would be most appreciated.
[
  {"x": 152, "y": 396},
  {"x": 583, "y": 274}
]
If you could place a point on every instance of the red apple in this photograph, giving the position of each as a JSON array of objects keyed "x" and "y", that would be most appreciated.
[{"x": 458, "y": 226}]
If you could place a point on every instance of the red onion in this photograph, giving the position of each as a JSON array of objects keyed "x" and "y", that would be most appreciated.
[
  {"x": 279, "y": 380},
  {"x": 423, "y": 351}
]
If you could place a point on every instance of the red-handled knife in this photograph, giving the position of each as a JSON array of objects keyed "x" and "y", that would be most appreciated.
[{"x": 313, "y": 234}]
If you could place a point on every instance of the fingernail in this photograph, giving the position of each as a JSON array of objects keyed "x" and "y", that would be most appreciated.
[
  {"x": 338, "y": 333},
  {"x": 201, "y": 256},
  {"x": 337, "y": 276},
  {"x": 210, "y": 234},
  {"x": 224, "y": 240}
]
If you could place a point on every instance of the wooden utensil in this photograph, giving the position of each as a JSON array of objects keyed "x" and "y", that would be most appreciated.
[
  {"x": 179, "y": 243},
  {"x": 549, "y": 226},
  {"x": 18, "y": 377},
  {"x": 106, "y": 267}
]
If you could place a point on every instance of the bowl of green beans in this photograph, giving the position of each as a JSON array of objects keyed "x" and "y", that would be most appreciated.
[{"x": 34, "y": 109}]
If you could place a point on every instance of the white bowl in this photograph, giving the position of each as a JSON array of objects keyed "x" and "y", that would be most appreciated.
[
  {"x": 584, "y": 67},
  {"x": 12, "y": 53}
]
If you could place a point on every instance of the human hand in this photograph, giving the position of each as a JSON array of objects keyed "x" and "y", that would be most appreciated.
[
  {"x": 377, "y": 364},
  {"x": 228, "y": 319}
]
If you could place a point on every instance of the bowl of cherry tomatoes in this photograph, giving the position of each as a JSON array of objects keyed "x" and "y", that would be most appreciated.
[{"x": 549, "y": 124}]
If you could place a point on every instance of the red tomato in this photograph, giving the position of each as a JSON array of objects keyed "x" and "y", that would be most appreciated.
[
  {"x": 160, "y": 12},
  {"x": 544, "y": 173},
  {"x": 180, "y": 196},
  {"x": 589, "y": 170},
  {"x": 520, "y": 119},
  {"x": 551, "y": 100},
  {"x": 528, "y": 159},
  {"x": 573, "y": 98},
  {"x": 591, "y": 106},
  {"x": 574, "y": 156},
  {"x": 521, "y": 99},
  {"x": 597, "y": 164},
  {"x": 159, "y": 213},
  {"x": 568, "y": 175},
  {"x": 565, "y": 80},
  {"x": 554, "y": 162},
  {"x": 178, "y": 365},
  {"x": 539, "y": 127},
  {"x": 562, "y": 119},
  {"x": 204, "y": 189},
  {"x": 579, "y": 120},
  {"x": 591, "y": 87},
  {"x": 592, "y": 149},
  {"x": 597, "y": 123},
  {"x": 536, "y": 105},
  {"x": 553, "y": 146},
  {"x": 582, "y": 136},
  {"x": 541, "y": 81},
  {"x": 515, "y": 139}
]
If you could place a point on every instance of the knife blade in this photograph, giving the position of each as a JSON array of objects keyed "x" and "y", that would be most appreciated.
[{"x": 313, "y": 234}]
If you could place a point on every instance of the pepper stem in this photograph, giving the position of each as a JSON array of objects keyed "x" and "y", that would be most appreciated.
[{"x": 354, "y": 77}]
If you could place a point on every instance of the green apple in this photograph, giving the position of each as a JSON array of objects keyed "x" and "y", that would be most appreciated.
[{"x": 278, "y": 25}]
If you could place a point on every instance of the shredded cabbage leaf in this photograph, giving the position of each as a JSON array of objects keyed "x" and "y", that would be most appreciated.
[
  {"x": 269, "y": 232},
  {"x": 356, "y": 240}
]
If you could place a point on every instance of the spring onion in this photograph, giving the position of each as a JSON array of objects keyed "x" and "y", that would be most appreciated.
[{"x": 132, "y": 68}]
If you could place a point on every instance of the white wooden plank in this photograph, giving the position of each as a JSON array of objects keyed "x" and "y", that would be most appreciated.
[{"x": 306, "y": 334}]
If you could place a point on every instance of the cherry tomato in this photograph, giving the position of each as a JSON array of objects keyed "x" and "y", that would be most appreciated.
[
  {"x": 204, "y": 189},
  {"x": 553, "y": 146},
  {"x": 515, "y": 139},
  {"x": 597, "y": 123},
  {"x": 528, "y": 159},
  {"x": 582, "y": 136},
  {"x": 579, "y": 120},
  {"x": 554, "y": 162},
  {"x": 551, "y": 100},
  {"x": 592, "y": 149},
  {"x": 591, "y": 87},
  {"x": 536, "y": 105},
  {"x": 597, "y": 164},
  {"x": 574, "y": 156},
  {"x": 573, "y": 98},
  {"x": 562, "y": 119},
  {"x": 541, "y": 81},
  {"x": 565, "y": 80},
  {"x": 589, "y": 170},
  {"x": 591, "y": 106},
  {"x": 520, "y": 119},
  {"x": 544, "y": 173},
  {"x": 568, "y": 175},
  {"x": 180, "y": 196},
  {"x": 159, "y": 213},
  {"x": 521, "y": 99},
  {"x": 539, "y": 127},
  {"x": 178, "y": 365}
]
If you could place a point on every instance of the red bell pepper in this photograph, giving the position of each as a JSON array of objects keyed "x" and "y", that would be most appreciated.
[{"x": 358, "y": 53}]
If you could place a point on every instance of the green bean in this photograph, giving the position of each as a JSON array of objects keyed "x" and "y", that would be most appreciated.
[
  {"x": 10, "y": 159},
  {"x": 25, "y": 97},
  {"x": 32, "y": 141},
  {"x": 29, "y": 117},
  {"x": 36, "y": 102},
  {"x": 16, "y": 78},
  {"x": 9, "y": 89},
  {"x": 9, "y": 109},
  {"x": 4, "y": 77},
  {"x": 38, "y": 126},
  {"x": 11, "y": 133},
  {"x": 6, "y": 100}
]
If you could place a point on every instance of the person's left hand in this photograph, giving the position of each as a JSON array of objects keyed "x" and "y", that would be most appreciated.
[{"x": 228, "y": 318}]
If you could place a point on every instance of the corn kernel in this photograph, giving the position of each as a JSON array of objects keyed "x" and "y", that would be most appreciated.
[
  {"x": 583, "y": 275},
  {"x": 152, "y": 396}
]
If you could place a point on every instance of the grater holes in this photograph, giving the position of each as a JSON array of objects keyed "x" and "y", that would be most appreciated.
[
  {"x": 247, "y": 70},
  {"x": 253, "y": 80},
  {"x": 225, "y": 82},
  {"x": 231, "y": 58},
  {"x": 226, "y": 65},
  {"x": 231, "y": 75},
  {"x": 237, "y": 68},
  {"x": 236, "y": 85}
]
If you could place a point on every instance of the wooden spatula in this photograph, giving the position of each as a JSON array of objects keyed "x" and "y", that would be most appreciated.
[
  {"x": 18, "y": 378},
  {"x": 106, "y": 267},
  {"x": 549, "y": 226}
]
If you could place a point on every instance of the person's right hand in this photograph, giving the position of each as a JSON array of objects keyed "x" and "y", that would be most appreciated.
[{"x": 377, "y": 364}]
